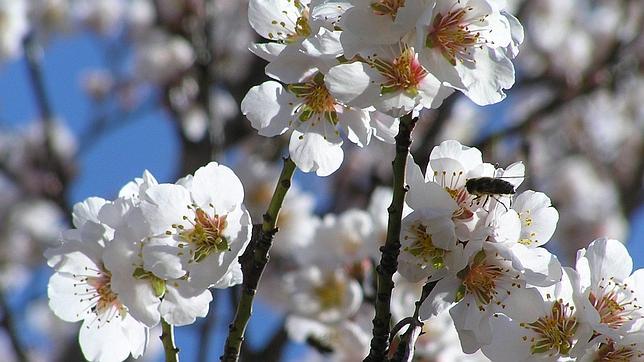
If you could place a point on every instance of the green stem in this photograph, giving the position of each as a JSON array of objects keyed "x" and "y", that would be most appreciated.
[
  {"x": 389, "y": 260},
  {"x": 167, "y": 338},
  {"x": 253, "y": 262}
]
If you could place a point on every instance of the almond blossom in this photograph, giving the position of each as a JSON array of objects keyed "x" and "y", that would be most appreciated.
[
  {"x": 81, "y": 290},
  {"x": 469, "y": 45}
]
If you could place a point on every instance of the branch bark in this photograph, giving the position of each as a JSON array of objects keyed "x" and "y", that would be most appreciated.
[
  {"x": 391, "y": 249},
  {"x": 167, "y": 338},
  {"x": 253, "y": 262}
]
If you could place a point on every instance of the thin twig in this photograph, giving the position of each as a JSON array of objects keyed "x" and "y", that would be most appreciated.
[
  {"x": 167, "y": 338},
  {"x": 253, "y": 262},
  {"x": 391, "y": 249}
]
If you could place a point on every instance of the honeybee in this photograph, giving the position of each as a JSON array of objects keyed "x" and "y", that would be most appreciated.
[{"x": 489, "y": 187}]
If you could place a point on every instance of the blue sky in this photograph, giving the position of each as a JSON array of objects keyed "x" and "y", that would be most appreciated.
[{"x": 119, "y": 156}]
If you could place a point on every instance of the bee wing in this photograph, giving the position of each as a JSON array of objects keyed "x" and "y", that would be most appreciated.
[
  {"x": 514, "y": 174},
  {"x": 482, "y": 170}
]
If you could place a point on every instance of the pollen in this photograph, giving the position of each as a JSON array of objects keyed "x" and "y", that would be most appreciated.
[
  {"x": 206, "y": 235},
  {"x": 554, "y": 332},
  {"x": 331, "y": 292},
  {"x": 317, "y": 101},
  {"x": 423, "y": 246},
  {"x": 454, "y": 36},
  {"x": 480, "y": 279},
  {"x": 613, "y": 304},
  {"x": 404, "y": 73},
  {"x": 387, "y": 7}
]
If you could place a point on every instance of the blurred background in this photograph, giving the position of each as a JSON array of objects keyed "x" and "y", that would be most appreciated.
[{"x": 93, "y": 92}]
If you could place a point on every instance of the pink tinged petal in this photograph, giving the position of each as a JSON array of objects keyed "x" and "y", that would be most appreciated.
[
  {"x": 292, "y": 65},
  {"x": 87, "y": 210},
  {"x": 355, "y": 123},
  {"x": 217, "y": 185},
  {"x": 182, "y": 304},
  {"x": 312, "y": 152},
  {"x": 608, "y": 258},
  {"x": 63, "y": 301},
  {"x": 353, "y": 84},
  {"x": 164, "y": 205},
  {"x": 267, "y": 51},
  {"x": 269, "y": 108}
]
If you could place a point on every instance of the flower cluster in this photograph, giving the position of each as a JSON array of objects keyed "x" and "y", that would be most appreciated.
[
  {"x": 507, "y": 295},
  {"x": 351, "y": 67},
  {"x": 148, "y": 255}
]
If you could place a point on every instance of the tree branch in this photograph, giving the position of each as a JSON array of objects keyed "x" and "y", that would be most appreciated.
[
  {"x": 253, "y": 262},
  {"x": 391, "y": 249},
  {"x": 167, "y": 338}
]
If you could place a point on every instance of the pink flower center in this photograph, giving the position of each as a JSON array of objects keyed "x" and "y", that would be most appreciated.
[
  {"x": 614, "y": 307},
  {"x": 206, "y": 236},
  {"x": 451, "y": 33},
  {"x": 404, "y": 73}
]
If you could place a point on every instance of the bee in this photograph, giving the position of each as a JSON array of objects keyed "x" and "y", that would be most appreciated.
[{"x": 486, "y": 187}]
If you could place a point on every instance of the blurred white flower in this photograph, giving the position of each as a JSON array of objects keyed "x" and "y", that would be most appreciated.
[
  {"x": 325, "y": 295},
  {"x": 13, "y": 27},
  {"x": 161, "y": 57},
  {"x": 101, "y": 16}
]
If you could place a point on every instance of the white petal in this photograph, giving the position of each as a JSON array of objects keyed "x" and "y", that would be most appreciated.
[
  {"x": 353, "y": 84},
  {"x": 272, "y": 19},
  {"x": 217, "y": 185},
  {"x": 267, "y": 51},
  {"x": 267, "y": 108},
  {"x": 164, "y": 205},
  {"x": 63, "y": 300},
  {"x": 355, "y": 123},
  {"x": 182, "y": 304},
  {"x": 312, "y": 152},
  {"x": 292, "y": 65},
  {"x": 87, "y": 210},
  {"x": 608, "y": 258}
]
